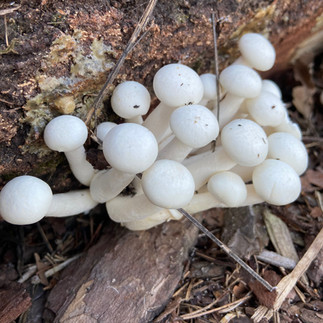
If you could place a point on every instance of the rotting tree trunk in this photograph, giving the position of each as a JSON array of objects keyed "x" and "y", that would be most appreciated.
[{"x": 66, "y": 49}]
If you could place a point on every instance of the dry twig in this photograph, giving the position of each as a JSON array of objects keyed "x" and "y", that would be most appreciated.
[{"x": 131, "y": 44}]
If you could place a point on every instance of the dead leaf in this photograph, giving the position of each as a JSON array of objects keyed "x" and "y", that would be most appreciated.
[{"x": 303, "y": 100}]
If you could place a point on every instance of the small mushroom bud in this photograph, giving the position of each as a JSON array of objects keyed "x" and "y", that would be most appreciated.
[
  {"x": 266, "y": 109},
  {"x": 245, "y": 142},
  {"x": 130, "y": 100},
  {"x": 229, "y": 188},
  {"x": 285, "y": 147},
  {"x": 276, "y": 182},
  {"x": 257, "y": 51}
]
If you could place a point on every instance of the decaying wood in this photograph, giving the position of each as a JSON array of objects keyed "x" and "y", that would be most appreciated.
[
  {"x": 14, "y": 301},
  {"x": 126, "y": 277}
]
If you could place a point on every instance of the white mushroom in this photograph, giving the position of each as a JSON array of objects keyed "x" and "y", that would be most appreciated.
[
  {"x": 245, "y": 142},
  {"x": 228, "y": 187},
  {"x": 68, "y": 134},
  {"x": 209, "y": 86},
  {"x": 285, "y": 147},
  {"x": 27, "y": 199},
  {"x": 266, "y": 109},
  {"x": 175, "y": 85},
  {"x": 276, "y": 182},
  {"x": 103, "y": 128},
  {"x": 130, "y": 100},
  {"x": 130, "y": 149},
  {"x": 240, "y": 82},
  {"x": 194, "y": 126},
  {"x": 257, "y": 51},
  {"x": 168, "y": 184},
  {"x": 272, "y": 87}
]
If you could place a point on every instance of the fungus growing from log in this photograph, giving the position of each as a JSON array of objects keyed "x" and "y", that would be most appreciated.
[{"x": 68, "y": 134}]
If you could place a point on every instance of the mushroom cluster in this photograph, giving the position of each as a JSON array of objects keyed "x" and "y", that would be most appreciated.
[{"x": 185, "y": 154}]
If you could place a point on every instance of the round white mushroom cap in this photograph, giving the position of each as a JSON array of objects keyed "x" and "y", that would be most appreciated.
[
  {"x": 287, "y": 148},
  {"x": 194, "y": 125},
  {"x": 25, "y": 200},
  {"x": 245, "y": 142},
  {"x": 65, "y": 133},
  {"x": 276, "y": 182},
  {"x": 168, "y": 184},
  {"x": 103, "y": 128},
  {"x": 257, "y": 51},
  {"x": 209, "y": 85},
  {"x": 272, "y": 87},
  {"x": 266, "y": 109},
  {"x": 228, "y": 187},
  {"x": 130, "y": 99},
  {"x": 176, "y": 85},
  {"x": 241, "y": 81},
  {"x": 130, "y": 148}
]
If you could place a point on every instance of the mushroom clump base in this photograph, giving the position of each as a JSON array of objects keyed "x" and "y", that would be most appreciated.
[{"x": 185, "y": 154}]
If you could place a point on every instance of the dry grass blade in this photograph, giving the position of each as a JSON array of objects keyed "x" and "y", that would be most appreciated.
[
  {"x": 221, "y": 309},
  {"x": 131, "y": 44},
  {"x": 289, "y": 281}
]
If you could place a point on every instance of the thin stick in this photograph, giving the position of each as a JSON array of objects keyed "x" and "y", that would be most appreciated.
[
  {"x": 131, "y": 44},
  {"x": 227, "y": 250},
  {"x": 216, "y": 67}
]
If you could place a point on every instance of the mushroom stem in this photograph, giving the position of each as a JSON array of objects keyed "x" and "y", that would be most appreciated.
[
  {"x": 229, "y": 106},
  {"x": 71, "y": 203},
  {"x": 203, "y": 166},
  {"x": 158, "y": 120},
  {"x": 175, "y": 150},
  {"x": 138, "y": 208},
  {"x": 107, "y": 184},
  {"x": 80, "y": 167}
]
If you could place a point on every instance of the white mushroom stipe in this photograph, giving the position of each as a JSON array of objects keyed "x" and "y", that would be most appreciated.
[
  {"x": 204, "y": 165},
  {"x": 130, "y": 100},
  {"x": 285, "y": 147},
  {"x": 25, "y": 200},
  {"x": 68, "y": 134},
  {"x": 168, "y": 184},
  {"x": 71, "y": 203},
  {"x": 228, "y": 187},
  {"x": 245, "y": 142},
  {"x": 276, "y": 182}
]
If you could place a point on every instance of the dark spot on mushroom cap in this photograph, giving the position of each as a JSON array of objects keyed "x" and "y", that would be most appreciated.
[
  {"x": 263, "y": 140},
  {"x": 258, "y": 155},
  {"x": 136, "y": 106},
  {"x": 239, "y": 125},
  {"x": 273, "y": 107},
  {"x": 182, "y": 84},
  {"x": 206, "y": 125}
]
